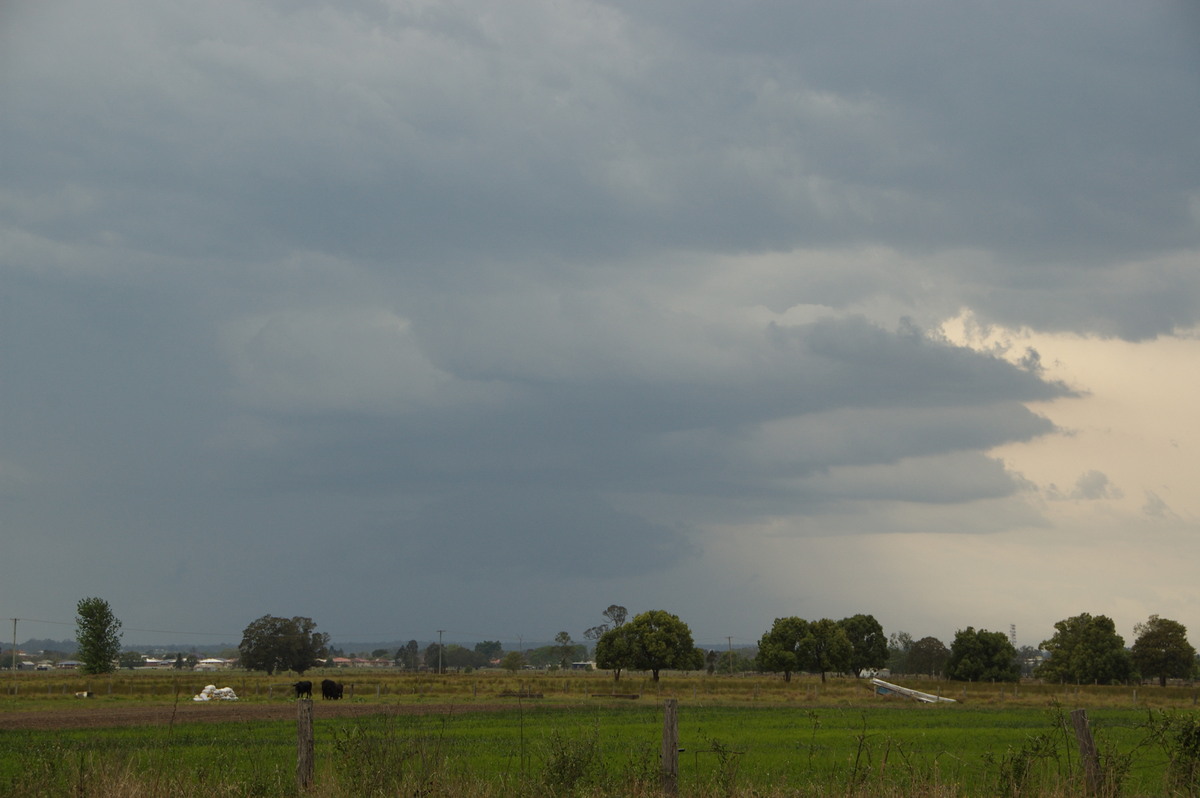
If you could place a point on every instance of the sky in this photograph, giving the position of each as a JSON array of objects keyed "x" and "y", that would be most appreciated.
[{"x": 410, "y": 316}]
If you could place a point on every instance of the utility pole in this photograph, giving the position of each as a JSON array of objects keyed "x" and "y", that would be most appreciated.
[
  {"x": 729, "y": 639},
  {"x": 14, "y": 657},
  {"x": 439, "y": 631}
]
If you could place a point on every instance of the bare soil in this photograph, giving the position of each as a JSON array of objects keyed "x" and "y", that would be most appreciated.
[{"x": 87, "y": 715}]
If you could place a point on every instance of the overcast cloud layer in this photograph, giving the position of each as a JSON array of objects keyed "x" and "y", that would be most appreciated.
[{"x": 482, "y": 317}]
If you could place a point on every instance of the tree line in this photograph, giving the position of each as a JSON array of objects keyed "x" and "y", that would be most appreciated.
[{"x": 1084, "y": 649}]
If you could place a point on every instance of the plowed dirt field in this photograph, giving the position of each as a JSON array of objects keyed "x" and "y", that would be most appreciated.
[{"x": 95, "y": 716}]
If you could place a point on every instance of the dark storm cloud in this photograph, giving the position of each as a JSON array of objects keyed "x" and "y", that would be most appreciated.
[
  {"x": 514, "y": 529},
  {"x": 1030, "y": 136},
  {"x": 568, "y": 278},
  {"x": 597, "y": 421}
]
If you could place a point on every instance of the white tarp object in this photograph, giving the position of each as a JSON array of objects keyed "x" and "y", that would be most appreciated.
[
  {"x": 887, "y": 688},
  {"x": 213, "y": 693}
]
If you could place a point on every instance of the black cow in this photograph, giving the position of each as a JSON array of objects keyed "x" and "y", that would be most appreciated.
[
  {"x": 303, "y": 689},
  {"x": 331, "y": 689}
]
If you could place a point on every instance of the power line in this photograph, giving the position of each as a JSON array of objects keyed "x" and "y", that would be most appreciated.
[
  {"x": 132, "y": 628},
  {"x": 238, "y": 635}
]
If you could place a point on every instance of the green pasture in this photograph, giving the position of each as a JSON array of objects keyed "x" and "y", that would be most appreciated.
[
  {"x": 565, "y": 733},
  {"x": 904, "y": 749}
]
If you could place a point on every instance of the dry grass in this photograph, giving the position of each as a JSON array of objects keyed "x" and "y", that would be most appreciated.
[{"x": 40, "y": 689}]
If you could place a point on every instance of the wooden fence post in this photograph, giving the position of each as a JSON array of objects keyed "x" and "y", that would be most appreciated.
[
  {"x": 1087, "y": 751},
  {"x": 670, "y": 747},
  {"x": 304, "y": 743}
]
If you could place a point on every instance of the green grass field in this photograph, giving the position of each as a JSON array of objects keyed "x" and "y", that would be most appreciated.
[{"x": 740, "y": 737}]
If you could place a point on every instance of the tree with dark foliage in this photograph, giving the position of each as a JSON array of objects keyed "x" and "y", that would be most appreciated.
[
  {"x": 614, "y": 651},
  {"x": 982, "y": 656},
  {"x": 409, "y": 656},
  {"x": 274, "y": 644},
  {"x": 1162, "y": 650},
  {"x": 434, "y": 657},
  {"x": 489, "y": 650},
  {"x": 829, "y": 648},
  {"x": 927, "y": 656},
  {"x": 868, "y": 643},
  {"x": 660, "y": 641},
  {"x": 785, "y": 648},
  {"x": 1086, "y": 649}
]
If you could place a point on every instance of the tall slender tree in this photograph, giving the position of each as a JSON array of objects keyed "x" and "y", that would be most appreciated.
[
  {"x": 98, "y": 633},
  {"x": 616, "y": 616},
  {"x": 564, "y": 648}
]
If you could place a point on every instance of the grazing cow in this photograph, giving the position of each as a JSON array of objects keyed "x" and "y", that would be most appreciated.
[
  {"x": 331, "y": 689},
  {"x": 303, "y": 689}
]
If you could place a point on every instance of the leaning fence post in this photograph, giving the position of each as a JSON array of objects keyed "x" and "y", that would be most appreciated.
[
  {"x": 670, "y": 747},
  {"x": 1087, "y": 751},
  {"x": 304, "y": 743}
]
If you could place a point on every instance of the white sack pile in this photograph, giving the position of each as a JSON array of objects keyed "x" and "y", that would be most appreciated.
[{"x": 213, "y": 693}]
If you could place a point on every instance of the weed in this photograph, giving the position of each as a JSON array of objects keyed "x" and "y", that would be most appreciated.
[
  {"x": 640, "y": 772},
  {"x": 1179, "y": 738},
  {"x": 728, "y": 760},
  {"x": 859, "y": 770},
  {"x": 382, "y": 758},
  {"x": 571, "y": 761},
  {"x": 815, "y": 721},
  {"x": 1015, "y": 769},
  {"x": 1115, "y": 765}
]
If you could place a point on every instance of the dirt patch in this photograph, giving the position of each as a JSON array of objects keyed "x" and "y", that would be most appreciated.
[{"x": 96, "y": 715}]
